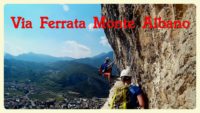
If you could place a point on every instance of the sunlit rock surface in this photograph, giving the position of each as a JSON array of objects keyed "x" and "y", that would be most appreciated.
[{"x": 162, "y": 60}]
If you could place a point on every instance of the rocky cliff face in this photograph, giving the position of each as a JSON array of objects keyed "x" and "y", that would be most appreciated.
[{"x": 163, "y": 61}]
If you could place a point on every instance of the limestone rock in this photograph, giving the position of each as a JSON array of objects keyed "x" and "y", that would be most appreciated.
[{"x": 163, "y": 61}]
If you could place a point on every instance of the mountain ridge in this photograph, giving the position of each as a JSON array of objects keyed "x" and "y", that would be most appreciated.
[{"x": 35, "y": 57}]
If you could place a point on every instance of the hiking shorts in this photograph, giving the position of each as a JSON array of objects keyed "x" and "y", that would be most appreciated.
[{"x": 106, "y": 74}]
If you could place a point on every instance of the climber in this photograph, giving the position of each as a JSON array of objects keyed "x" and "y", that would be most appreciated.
[
  {"x": 129, "y": 96},
  {"x": 106, "y": 69}
]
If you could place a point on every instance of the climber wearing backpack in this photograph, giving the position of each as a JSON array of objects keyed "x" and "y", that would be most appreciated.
[
  {"x": 106, "y": 69},
  {"x": 128, "y": 96}
]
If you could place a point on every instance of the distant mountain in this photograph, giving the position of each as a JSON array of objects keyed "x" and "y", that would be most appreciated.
[
  {"x": 8, "y": 56},
  {"x": 80, "y": 78},
  {"x": 33, "y": 57},
  {"x": 58, "y": 74},
  {"x": 97, "y": 60},
  {"x": 62, "y": 76},
  {"x": 16, "y": 70}
]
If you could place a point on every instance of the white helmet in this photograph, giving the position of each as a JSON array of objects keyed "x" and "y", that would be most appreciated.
[
  {"x": 125, "y": 72},
  {"x": 107, "y": 59}
]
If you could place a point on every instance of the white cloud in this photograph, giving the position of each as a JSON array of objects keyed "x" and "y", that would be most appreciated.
[
  {"x": 104, "y": 41},
  {"x": 75, "y": 50},
  {"x": 65, "y": 8},
  {"x": 90, "y": 27}
]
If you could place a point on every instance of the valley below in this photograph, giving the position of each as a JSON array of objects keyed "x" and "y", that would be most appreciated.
[
  {"x": 25, "y": 96},
  {"x": 64, "y": 84}
]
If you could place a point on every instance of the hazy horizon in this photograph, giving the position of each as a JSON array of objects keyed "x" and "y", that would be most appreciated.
[{"x": 54, "y": 56}]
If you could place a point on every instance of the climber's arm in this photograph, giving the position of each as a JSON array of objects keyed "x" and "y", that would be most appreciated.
[
  {"x": 141, "y": 101},
  {"x": 111, "y": 64}
]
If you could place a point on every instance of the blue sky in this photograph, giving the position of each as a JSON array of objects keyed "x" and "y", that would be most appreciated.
[{"x": 76, "y": 43}]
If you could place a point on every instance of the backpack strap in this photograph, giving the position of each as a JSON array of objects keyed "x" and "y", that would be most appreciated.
[
  {"x": 113, "y": 98},
  {"x": 124, "y": 100}
]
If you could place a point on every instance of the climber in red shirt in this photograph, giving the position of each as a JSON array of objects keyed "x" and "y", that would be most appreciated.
[{"x": 106, "y": 69}]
